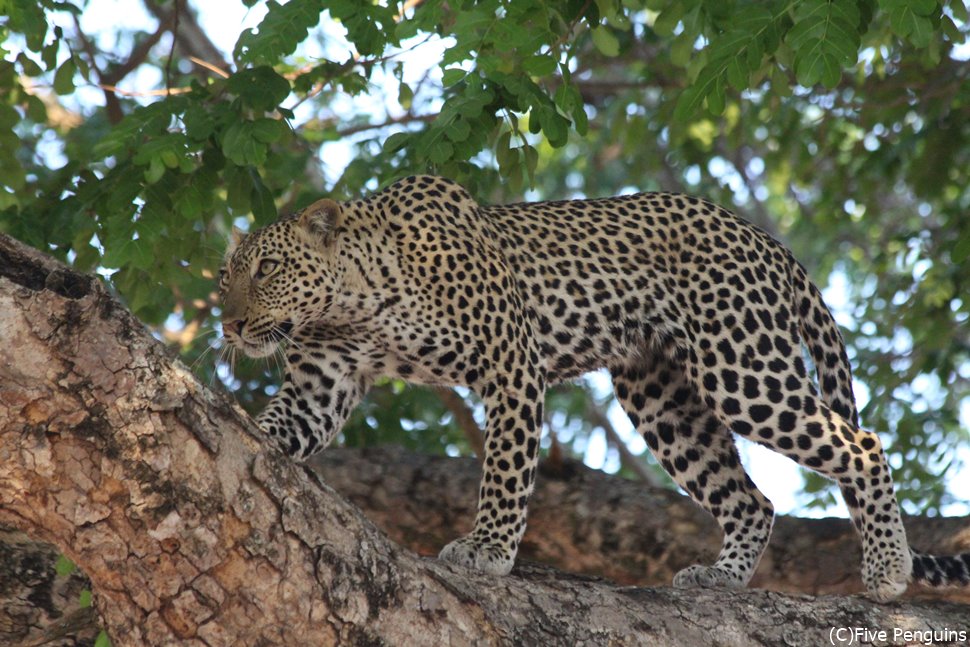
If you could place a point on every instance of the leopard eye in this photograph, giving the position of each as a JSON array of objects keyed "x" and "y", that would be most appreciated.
[{"x": 266, "y": 267}]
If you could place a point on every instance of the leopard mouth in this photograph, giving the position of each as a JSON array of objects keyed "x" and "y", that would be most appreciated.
[{"x": 265, "y": 344}]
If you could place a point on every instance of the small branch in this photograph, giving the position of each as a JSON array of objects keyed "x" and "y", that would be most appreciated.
[
  {"x": 359, "y": 128},
  {"x": 176, "y": 13},
  {"x": 112, "y": 105},
  {"x": 209, "y": 66},
  {"x": 137, "y": 56},
  {"x": 190, "y": 36},
  {"x": 598, "y": 418},
  {"x": 463, "y": 418},
  {"x": 164, "y": 92}
]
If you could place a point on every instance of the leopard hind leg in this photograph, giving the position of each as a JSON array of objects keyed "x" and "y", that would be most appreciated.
[{"x": 699, "y": 454}]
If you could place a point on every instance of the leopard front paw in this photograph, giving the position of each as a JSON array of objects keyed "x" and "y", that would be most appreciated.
[
  {"x": 479, "y": 554},
  {"x": 707, "y": 576}
]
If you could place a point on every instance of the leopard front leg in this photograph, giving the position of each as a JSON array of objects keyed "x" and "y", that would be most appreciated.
[
  {"x": 514, "y": 422},
  {"x": 322, "y": 386}
]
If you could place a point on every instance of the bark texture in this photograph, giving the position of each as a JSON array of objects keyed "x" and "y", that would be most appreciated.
[
  {"x": 193, "y": 533},
  {"x": 585, "y": 521}
]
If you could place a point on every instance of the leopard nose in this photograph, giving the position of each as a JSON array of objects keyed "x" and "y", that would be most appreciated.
[{"x": 234, "y": 326}]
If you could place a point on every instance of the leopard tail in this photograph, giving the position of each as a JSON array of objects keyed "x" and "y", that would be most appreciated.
[
  {"x": 821, "y": 335},
  {"x": 938, "y": 571}
]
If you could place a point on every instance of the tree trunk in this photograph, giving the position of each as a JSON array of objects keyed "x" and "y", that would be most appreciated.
[{"x": 194, "y": 533}]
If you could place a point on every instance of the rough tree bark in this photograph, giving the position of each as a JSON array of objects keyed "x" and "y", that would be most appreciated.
[
  {"x": 194, "y": 533},
  {"x": 585, "y": 521}
]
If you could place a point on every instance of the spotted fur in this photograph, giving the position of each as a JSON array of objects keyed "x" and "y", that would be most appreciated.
[{"x": 698, "y": 315}]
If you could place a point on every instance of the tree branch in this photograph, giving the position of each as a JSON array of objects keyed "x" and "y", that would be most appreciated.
[
  {"x": 463, "y": 418},
  {"x": 598, "y": 418},
  {"x": 190, "y": 37}
]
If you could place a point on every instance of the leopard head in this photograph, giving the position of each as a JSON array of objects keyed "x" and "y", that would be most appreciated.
[{"x": 280, "y": 278}]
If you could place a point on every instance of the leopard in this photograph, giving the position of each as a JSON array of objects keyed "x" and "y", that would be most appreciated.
[{"x": 699, "y": 316}]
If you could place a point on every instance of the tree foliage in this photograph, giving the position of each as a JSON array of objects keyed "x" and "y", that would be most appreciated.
[{"x": 841, "y": 126}]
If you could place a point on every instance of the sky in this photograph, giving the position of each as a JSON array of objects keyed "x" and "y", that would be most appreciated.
[{"x": 223, "y": 20}]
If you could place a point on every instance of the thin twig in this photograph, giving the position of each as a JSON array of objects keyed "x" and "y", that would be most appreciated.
[
  {"x": 176, "y": 14},
  {"x": 111, "y": 103},
  {"x": 359, "y": 128},
  {"x": 138, "y": 55},
  {"x": 209, "y": 66},
  {"x": 145, "y": 93}
]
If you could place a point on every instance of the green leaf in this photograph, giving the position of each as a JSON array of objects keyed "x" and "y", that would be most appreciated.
[
  {"x": 405, "y": 95},
  {"x": 716, "y": 99},
  {"x": 920, "y": 7},
  {"x": 269, "y": 130},
  {"x": 960, "y": 10},
  {"x": 458, "y": 130},
  {"x": 370, "y": 26},
  {"x": 908, "y": 23},
  {"x": 531, "y": 162},
  {"x": 540, "y": 65},
  {"x": 28, "y": 66},
  {"x": 169, "y": 158},
  {"x": 504, "y": 154},
  {"x": 264, "y": 207},
  {"x": 240, "y": 145},
  {"x": 29, "y": 19},
  {"x": 554, "y": 126},
  {"x": 102, "y": 640},
  {"x": 827, "y": 29},
  {"x": 396, "y": 142},
  {"x": 815, "y": 63},
  {"x": 189, "y": 201},
  {"x": 961, "y": 249},
  {"x": 64, "y": 77},
  {"x": 440, "y": 151},
  {"x": 693, "y": 97},
  {"x": 452, "y": 75},
  {"x": 605, "y": 41},
  {"x": 64, "y": 566},
  {"x": 84, "y": 599},
  {"x": 259, "y": 88},
  {"x": 682, "y": 49},
  {"x": 956, "y": 36},
  {"x": 281, "y": 30},
  {"x": 155, "y": 170},
  {"x": 199, "y": 122},
  {"x": 666, "y": 22},
  {"x": 239, "y": 189}
]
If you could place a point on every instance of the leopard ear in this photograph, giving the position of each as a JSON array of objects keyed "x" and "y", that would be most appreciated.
[
  {"x": 322, "y": 218},
  {"x": 235, "y": 237}
]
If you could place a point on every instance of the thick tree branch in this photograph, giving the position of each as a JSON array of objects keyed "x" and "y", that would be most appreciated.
[
  {"x": 583, "y": 520},
  {"x": 194, "y": 533}
]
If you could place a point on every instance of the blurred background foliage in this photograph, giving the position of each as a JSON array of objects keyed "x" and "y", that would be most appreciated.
[{"x": 134, "y": 135}]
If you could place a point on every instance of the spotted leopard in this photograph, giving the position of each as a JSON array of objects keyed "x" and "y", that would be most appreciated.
[{"x": 698, "y": 315}]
